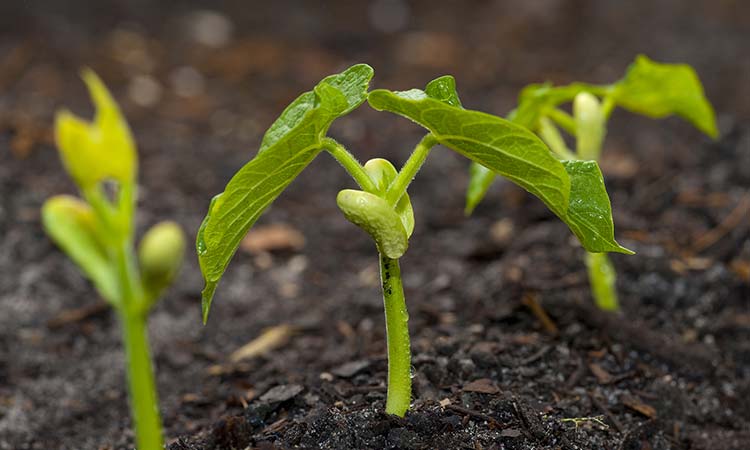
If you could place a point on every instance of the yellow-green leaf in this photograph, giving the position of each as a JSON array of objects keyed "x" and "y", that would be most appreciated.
[
  {"x": 98, "y": 150},
  {"x": 72, "y": 225},
  {"x": 658, "y": 90}
]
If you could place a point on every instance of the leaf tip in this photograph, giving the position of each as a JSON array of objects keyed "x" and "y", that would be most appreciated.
[{"x": 207, "y": 296}]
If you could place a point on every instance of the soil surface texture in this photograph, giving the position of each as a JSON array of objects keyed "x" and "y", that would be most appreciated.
[{"x": 508, "y": 352}]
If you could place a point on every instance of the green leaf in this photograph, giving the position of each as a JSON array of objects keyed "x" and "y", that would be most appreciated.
[
  {"x": 589, "y": 214},
  {"x": 659, "y": 90},
  {"x": 444, "y": 89},
  {"x": 383, "y": 173},
  {"x": 98, "y": 150},
  {"x": 505, "y": 148},
  {"x": 72, "y": 225},
  {"x": 374, "y": 215},
  {"x": 289, "y": 145},
  {"x": 480, "y": 180},
  {"x": 573, "y": 190}
]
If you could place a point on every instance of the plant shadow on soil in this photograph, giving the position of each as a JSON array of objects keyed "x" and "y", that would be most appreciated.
[{"x": 671, "y": 372}]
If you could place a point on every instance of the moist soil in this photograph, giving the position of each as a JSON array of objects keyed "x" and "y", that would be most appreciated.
[{"x": 507, "y": 350}]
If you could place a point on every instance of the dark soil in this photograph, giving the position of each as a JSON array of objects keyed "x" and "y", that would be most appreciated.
[{"x": 672, "y": 371}]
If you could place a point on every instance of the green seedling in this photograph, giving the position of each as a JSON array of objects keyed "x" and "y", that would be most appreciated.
[
  {"x": 649, "y": 88},
  {"x": 573, "y": 190},
  {"x": 97, "y": 233}
]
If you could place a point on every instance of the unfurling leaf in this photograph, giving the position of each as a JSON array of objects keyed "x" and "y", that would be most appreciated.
[
  {"x": 95, "y": 151},
  {"x": 658, "y": 90},
  {"x": 374, "y": 215},
  {"x": 288, "y": 146},
  {"x": 160, "y": 255},
  {"x": 73, "y": 226}
]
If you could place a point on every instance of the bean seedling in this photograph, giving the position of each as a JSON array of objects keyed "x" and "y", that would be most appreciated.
[
  {"x": 97, "y": 233},
  {"x": 573, "y": 190},
  {"x": 649, "y": 88}
]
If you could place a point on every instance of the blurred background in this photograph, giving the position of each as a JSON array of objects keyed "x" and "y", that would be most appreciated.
[{"x": 199, "y": 83}]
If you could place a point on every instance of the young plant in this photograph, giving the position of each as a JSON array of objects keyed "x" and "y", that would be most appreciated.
[
  {"x": 97, "y": 233},
  {"x": 649, "y": 88},
  {"x": 573, "y": 190}
]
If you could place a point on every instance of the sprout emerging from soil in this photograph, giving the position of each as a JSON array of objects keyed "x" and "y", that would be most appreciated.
[
  {"x": 649, "y": 88},
  {"x": 573, "y": 190},
  {"x": 97, "y": 233}
]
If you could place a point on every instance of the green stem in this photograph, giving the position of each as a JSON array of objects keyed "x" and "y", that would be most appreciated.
[
  {"x": 602, "y": 278},
  {"x": 551, "y": 136},
  {"x": 608, "y": 105},
  {"x": 397, "y": 332},
  {"x": 350, "y": 163},
  {"x": 563, "y": 119},
  {"x": 410, "y": 169},
  {"x": 144, "y": 404}
]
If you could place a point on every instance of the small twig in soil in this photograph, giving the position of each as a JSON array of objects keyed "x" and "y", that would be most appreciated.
[
  {"x": 15, "y": 62},
  {"x": 580, "y": 420},
  {"x": 731, "y": 221},
  {"x": 576, "y": 279},
  {"x": 576, "y": 375},
  {"x": 531, "y": 301},
  {"x": 536, "y": 356},
  {"x": 473, "y": 413},
  {"x": 70, "y": 316},
  {"x": 271, "y": 339}
]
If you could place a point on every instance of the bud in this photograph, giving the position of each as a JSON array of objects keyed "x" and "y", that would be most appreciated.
[
  {"x": 589, "y": 119},
  {"x": 160, "y": 256},
  {"x": 374, "y": 215},
  {"x": 98, "y": 150},
  {"x": 382, "y": 173}
]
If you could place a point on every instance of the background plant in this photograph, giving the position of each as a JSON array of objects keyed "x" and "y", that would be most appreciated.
[
  {"x": 573, "y": 190},
  {"x": 649, "y": 88},
  {"x": 97, "y": 233}
]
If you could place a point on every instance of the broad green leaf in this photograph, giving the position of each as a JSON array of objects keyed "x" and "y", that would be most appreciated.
[
  {"x": 98, "y": 150},
  {"x": 480, "y": 177},
  {"x": 589, "y": 214},
  {"x": 501, "y": 146},
  {"x": 383, "y": 173},
  {"x": 659, "y": 90},
  {"x": 574, "y": 191},
  {"x": 533, "y": 102},
  {"x": 374, "y": 215},
  {"x": 72, "y": 226},
  {"x": 289, "y": 145}
]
